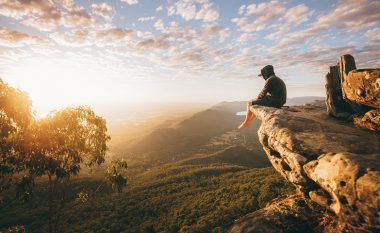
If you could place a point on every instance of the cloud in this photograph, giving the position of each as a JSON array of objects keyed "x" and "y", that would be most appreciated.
[
  {"x": 187, "y": 9},
  {"x": 244, "y": 38},
  {"x": 264, "y": 9},
  {"x": 12, "y": 38},
  {"x": 159, "y": 25},
  {"x": 182, "y": 35},
  {"x": 103, "y": 10},
  {"x": 130, "y": 2},
  {"x": 115, "y": 33},
  {"x": 347, "y": 15},
  {"x": 104, "y": 37},
  {"x": 373, "y": 36},
  {"x": 353, "y": 14},
  {"x": 263, "y": 13},
  {"x": 144, "y": 19},
  {"x": 153, "y": 43},
  {"x": 223, "y": 34},
  {"x": 293, "y": 17},
  {"x": 38, "y": 13},
  {"x": 209, "y": 32},
  {"x": 189, "y": 56},
  {"x": 207, "y": 13},
  {"x": 159, "y": 8},
  {"x": 77, "y": 16},
  {"x": 73, "y": 38},
  {"x": 297, "y": 14},
  {"x": 242, "y": 9},
  {"x": 239, "y": 21},
  {"x": 49, "y": 15},
  {"x": 186, "y": 62}
]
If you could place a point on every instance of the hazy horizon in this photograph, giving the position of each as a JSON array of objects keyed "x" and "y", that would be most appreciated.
[{"x": 121, "y": 111}]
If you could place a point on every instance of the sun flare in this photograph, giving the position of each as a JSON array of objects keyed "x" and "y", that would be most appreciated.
[{"x": 53, "y": 84}]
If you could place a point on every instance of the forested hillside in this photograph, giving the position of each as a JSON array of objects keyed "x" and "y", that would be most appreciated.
[
  {"x": 175, "y": 198},
  {"x": 196, "y": 174}
]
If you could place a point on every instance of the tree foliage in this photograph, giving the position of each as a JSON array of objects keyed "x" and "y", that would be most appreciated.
[
  {"x": 15, "y": 118},
  {"x": 116, "y": 174},
  {"x": 54, "y": 147},
  {"x": 57, "y": 145},
  {"x": 61, "y": 142}
]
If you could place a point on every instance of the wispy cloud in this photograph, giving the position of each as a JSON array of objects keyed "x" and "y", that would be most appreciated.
[
  {"x": 12, "y": 38},
  {"x": 144, "y": 19},
  {"x": 187, "y": 9},
  {"x": 103, "y": 9},
  {"x": 130, "y": 2}
]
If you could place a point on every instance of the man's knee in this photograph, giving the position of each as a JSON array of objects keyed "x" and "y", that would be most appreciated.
[{"x": 250, "y": 108}]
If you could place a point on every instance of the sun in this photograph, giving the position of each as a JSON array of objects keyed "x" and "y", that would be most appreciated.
[{"x": 52, "y": 83}]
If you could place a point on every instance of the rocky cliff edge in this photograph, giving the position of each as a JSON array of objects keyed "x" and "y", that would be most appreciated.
[{"x": 334, "y": 165}]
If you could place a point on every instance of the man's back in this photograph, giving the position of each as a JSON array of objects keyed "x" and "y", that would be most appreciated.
[{"x": 274, "y": 90}]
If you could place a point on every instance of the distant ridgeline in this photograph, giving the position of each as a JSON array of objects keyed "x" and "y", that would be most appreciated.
[{"x": 332, "y": 159}]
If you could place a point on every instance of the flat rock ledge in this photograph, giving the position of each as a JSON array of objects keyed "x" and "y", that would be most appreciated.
[{"x": 331, "y": 162}]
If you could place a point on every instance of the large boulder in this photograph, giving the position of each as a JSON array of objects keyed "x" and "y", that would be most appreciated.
[
  {"x": 363, "y": 87},
  {"x": 351, "y": 180}
]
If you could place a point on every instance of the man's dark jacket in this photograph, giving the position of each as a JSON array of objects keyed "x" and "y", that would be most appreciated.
[{"x": 274, "y": 91}]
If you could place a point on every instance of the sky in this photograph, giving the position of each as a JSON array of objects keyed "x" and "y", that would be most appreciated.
[{"x": 66, "y": 52}]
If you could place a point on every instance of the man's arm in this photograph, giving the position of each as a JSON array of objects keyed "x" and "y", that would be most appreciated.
[{"x": 265, "y": 90}]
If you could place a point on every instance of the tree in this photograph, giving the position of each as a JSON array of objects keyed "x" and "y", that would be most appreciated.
[
  {"x": 15, "y": 118},
  {"x": 116, "y": 175},
  {"x": 57, "y": 146}
]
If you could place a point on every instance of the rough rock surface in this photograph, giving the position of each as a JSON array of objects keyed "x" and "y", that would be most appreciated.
[
  {"x": 354, "y": 93},
  {"x": 346, "y": 64},
  {"x": 336, "y": 105},
  {"x": 330, "y": 161},
  {"x": 293, "y": 214},
  {"x": 370, "y": 120},
  {"x": 363, "y": 87},
  {"x": 351, "y": 180}
]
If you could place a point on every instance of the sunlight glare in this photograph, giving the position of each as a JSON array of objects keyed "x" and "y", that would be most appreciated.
[{"x": 53, "y": 84}]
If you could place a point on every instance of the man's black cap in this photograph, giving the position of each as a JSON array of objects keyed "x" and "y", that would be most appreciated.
[{"x": 267, "y": 71}]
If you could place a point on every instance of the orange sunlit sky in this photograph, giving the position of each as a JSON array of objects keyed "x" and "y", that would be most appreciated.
[{"x": 65, "y": 52}]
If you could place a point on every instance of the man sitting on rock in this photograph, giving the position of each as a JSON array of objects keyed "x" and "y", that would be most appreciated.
[{"x": 272, "y": 95}]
